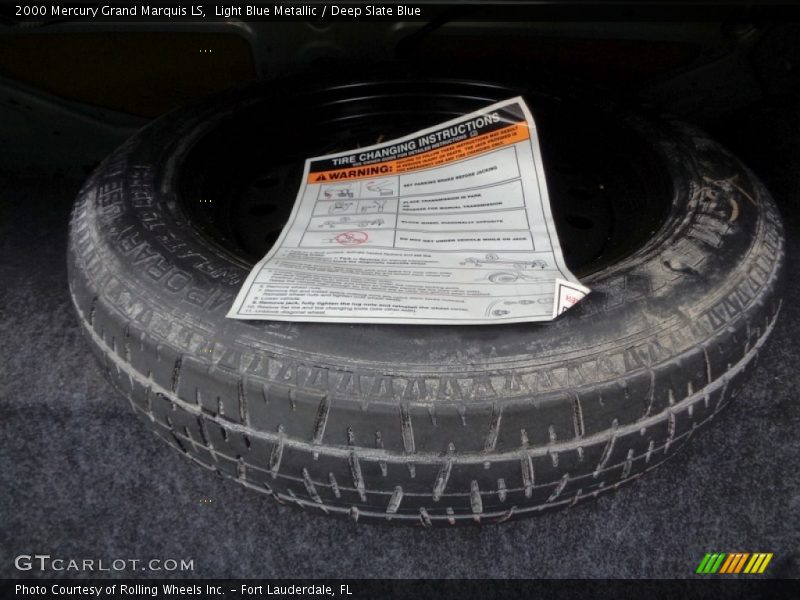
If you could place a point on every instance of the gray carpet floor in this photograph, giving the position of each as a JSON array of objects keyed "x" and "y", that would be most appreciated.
[{"x": 81, "y": 476}]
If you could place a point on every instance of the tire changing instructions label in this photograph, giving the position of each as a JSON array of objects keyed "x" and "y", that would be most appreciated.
[{"x": 448, "y": 225}]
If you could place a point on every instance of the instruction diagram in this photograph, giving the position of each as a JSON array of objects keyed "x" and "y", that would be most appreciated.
[{"x": 447, "y": 225}]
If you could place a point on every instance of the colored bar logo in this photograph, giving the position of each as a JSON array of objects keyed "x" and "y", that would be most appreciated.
[{"x": 734, "y": 562}]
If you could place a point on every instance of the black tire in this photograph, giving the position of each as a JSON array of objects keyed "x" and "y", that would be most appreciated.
[{"x": 422, "y": 425}]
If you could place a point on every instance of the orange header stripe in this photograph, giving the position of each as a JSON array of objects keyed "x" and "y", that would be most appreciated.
[{"x": 433, "y": 158}]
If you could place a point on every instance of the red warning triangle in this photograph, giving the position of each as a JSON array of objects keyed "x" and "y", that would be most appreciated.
[{"x": 321, "y": 177}]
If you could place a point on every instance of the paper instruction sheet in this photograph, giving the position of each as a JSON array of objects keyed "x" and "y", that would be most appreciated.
[{"x": 448, "y": 225}]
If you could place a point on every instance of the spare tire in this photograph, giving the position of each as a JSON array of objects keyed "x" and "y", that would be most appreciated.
[{"x": 681, "y": 245}]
